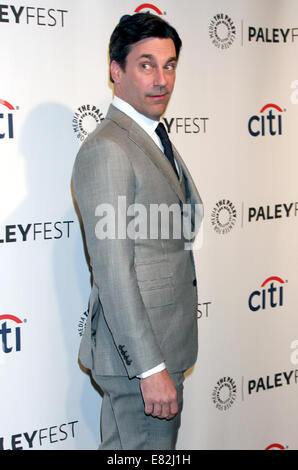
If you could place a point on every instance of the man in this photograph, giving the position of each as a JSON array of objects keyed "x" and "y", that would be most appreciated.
[{"x": 141, "y": 331}]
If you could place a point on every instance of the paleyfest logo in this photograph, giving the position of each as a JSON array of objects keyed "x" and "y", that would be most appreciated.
[
  {"x": 35, "y": 439},
  {"x": 28, "y": 15},
  {"x": 222, "y": 31},
  {"x": 148, "y": 8}
]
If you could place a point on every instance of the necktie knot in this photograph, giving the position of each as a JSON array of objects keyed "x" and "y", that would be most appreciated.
[
  {"x": 166, "y": 143},
  {"x": 161, "y": 132}
]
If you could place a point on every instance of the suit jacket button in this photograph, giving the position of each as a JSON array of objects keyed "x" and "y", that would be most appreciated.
[{"x": 194, "y": 282}]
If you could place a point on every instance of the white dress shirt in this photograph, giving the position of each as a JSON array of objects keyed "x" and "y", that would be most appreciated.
[{"x": 149, "y": 126}]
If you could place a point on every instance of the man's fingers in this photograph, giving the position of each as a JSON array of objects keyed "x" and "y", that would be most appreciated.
[
  {"x": 174, "y": 407},
  {"x": 162, "y": 411},
  {"x": 149, "y": 407},
  {"x": 165, "y": 410},
  {"x": 157, "y": 411},
  {"x": 172, "y": 410}
]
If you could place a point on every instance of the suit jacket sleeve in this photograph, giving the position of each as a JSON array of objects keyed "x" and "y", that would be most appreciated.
[{"x": 102, "y": 174}]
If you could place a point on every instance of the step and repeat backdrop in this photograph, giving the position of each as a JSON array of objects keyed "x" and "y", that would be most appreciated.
[{"x": 234, "y": 118}]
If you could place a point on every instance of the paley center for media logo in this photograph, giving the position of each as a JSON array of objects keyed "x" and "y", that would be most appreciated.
[
  {"x": 85, "y": 120},
  {"x": 82, "y": 323},
  {"x": 267, "y": 122},
  {"x": 223, "y": 216},
  {"x": 6, "y": 119},
  {"x": 222, "y": 31},
  {"x": 224, "y": 393}
]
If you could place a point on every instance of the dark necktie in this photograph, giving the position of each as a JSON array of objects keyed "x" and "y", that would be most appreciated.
[{"x": 166, "y": 143}]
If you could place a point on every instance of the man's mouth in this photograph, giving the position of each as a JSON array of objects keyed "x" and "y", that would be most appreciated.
[{"x": 158, "y": 96}]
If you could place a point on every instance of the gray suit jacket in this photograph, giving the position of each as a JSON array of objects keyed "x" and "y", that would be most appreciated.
[{"x": 143, "y": 302}]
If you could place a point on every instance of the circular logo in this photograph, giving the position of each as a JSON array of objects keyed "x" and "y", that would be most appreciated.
[
  {"x": 224, "y": 393},
  {"x": 222, "y": 31},
  {"x": 82, "y": 323},
  {"x": 223, "y": 216},
  {"x": 85, "y": 120}
]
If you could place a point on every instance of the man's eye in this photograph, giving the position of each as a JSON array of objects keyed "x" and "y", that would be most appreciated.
[
  {"x": 146, "y": 66},
  {"x": 170, "y": 67}
]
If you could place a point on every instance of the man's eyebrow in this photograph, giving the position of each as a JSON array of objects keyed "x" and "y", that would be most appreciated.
[
  {"x": 172, "y": 59},
  {"x": 151, "y": 57}
]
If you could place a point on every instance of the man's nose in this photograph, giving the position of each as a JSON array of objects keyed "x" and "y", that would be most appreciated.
[{"x": 160, "y": 77}]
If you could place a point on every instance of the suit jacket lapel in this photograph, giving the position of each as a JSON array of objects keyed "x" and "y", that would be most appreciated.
[
  {"x": 148, "y": 146},
  {"x": 192, "y": 193}
]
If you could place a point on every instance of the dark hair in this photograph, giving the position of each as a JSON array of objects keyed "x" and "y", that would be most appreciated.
[{"x": 134, "y": 28}]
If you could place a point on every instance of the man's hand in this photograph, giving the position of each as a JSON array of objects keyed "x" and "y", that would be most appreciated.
[{"x": 160, "y": 395}]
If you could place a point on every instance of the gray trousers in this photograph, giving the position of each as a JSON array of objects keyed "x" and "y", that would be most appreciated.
[{"x": 124, "y": 424}]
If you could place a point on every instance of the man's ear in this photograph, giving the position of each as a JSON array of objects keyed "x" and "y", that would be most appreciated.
[{"x": 116, "y": 71}]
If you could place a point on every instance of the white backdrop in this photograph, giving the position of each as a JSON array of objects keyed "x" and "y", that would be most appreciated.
[{"x": 234, "y": 118}]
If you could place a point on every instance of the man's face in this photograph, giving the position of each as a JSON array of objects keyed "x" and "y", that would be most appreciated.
[{"x": 149, "y": 76}]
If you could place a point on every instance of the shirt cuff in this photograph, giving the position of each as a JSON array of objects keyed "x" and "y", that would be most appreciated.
[{"x": 152, "y": 371}]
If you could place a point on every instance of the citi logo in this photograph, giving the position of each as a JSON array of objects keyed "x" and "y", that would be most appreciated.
[
  {"x": 10, "y": 333},
  {"x": 148, "y": 8},
  {"x": 6, "y": 123},
  {"x": 269, "y": 122},
  {"x": 276, "y": 447},
  {"x": 270, "y": 295}
]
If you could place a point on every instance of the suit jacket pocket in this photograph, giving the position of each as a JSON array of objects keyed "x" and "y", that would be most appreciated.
[
  {"x": 155, "y": 283},
  {"x": 158, "y": 297}
]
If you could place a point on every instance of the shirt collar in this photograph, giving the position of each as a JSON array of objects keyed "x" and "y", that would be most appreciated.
[{"x": 148, "y": 125}]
